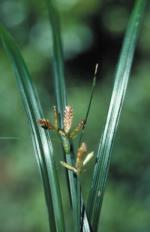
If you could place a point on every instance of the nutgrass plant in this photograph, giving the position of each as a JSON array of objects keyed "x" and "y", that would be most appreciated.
[{"x": 86, "y": 217}]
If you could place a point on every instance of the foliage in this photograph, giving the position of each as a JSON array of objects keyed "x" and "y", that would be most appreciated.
[{"x": 22, "y": 162}]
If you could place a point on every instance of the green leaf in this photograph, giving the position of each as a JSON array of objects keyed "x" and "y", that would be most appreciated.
[
  {"x": 84, "y": 220},
  {"x": 41, "y": 140},
  {"x": 58, "y": 63},
  {"x": 61, "y": 101},
  {"x": 61, "y": 96},
  {"x": 105, "y": 145}
]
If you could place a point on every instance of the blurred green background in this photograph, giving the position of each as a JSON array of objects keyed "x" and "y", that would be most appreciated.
[{"x": 92, "y": 32}]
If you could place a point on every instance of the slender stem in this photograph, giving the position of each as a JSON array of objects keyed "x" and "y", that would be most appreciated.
[
  {"x": 73, "y": 190},
  {"x": 89, "y": 104}
]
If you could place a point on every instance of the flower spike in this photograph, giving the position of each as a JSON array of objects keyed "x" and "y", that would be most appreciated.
[
  {"x": 81, "y": 160},
  {"x": 80, "y": 156},
  {"x": 68, "y": 117},
  {"x": 88, "y": 158},
  {"x": 79, "y": 127},
  {"x": 69, "y": 167}
]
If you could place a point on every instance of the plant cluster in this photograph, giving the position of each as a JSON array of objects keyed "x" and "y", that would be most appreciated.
[{"x": 86, "y": 218}]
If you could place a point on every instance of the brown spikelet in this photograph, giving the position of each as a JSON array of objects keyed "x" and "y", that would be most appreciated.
[
  {"x": 68, "y": 117},
  {"x": 44, "y": 123},
  {"x": 82, "y": 151},
  {"x": 80, "y": 156},
  {"x": 79, "y": 127}
]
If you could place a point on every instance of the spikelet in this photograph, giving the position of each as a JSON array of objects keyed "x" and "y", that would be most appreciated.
[
  {"x": 82, "y": 151},
  {"x": 88, "y": 158},
  {"x": 81, "y": 160},
  {"x": 69, "y": 167},
  {"x": 79, "y": 127},
  {"x": 80, "y": 156},
  {"x": 68, "y": 117},
  {"x": 44, "y": 123}
]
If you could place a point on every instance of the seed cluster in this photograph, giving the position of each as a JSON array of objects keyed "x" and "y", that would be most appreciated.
[{"x": 82, "y": 158}]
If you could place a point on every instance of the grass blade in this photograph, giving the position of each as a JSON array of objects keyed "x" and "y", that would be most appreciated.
[
  {"x": 41, "y": 140},
  {"x": 61, "y": 96},
  {"x": 84, "y": 221},
  {"x": 117, "y": 99},
  {"x": 61, "y": 100},
  {"x": 58, "y": 63}
]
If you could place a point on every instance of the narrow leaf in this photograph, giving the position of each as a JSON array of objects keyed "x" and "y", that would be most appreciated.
[
  {"x": 60, "y": 93},
  {"x": 58, "y": 64},
  {"x": 84, "y": 225},
  {"x": 41, "y": 139},
  {"x": 117, "y": 99},
  {"x": 61, "y": 100}
]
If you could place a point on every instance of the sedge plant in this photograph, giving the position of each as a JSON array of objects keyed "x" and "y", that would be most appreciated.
[{"x": 86, "y": 217}]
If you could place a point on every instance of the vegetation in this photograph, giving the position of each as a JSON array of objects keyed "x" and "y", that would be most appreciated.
[{"x": 70, "y": 204}]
